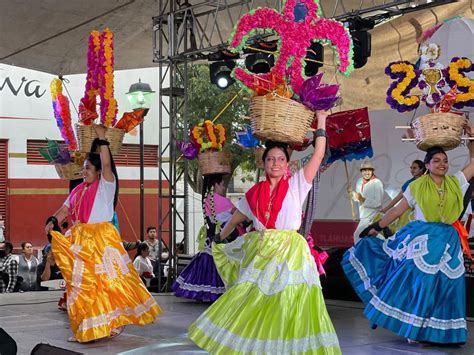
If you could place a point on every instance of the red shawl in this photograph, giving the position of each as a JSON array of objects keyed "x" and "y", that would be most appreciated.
[
  {"x": 259, "y": 196},
  {"x": 81, "y": 201}
]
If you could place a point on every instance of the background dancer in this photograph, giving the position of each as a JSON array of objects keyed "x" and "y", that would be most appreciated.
[
  {"x": 104, "y": 291},
  {"x": 413, "y": 284},
  {"x": 200, "y": 279},
  {"x": 417, "y": 169},
  {"x": 274, "y": 302}
]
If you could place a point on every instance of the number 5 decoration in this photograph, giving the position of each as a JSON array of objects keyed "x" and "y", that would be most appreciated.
[{"x": 294, "y": 40}]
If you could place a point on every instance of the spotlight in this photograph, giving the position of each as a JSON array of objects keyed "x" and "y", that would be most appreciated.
[
  {"x": 315, "y": 52},
  {"x": 220, "y": 73},
  {"x": 361, "y": 39},
  {"x": 259, "y": 63}
]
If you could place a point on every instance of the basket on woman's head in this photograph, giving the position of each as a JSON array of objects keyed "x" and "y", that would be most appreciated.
[{"x": 443, "y": 129}]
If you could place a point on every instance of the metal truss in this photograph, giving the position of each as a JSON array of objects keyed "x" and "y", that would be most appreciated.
[{"x": 188, "y": 30}]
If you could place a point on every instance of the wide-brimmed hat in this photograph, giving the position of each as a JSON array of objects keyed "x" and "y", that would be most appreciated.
[{"x": 366, "y": 164}]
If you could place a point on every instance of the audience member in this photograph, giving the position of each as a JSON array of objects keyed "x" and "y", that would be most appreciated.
[
  {"x": 142, "y": 262},
  {"x": 8, "y": 269},
  {"x": 27, "y": 268}
]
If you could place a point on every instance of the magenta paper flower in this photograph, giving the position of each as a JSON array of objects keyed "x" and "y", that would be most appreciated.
[{"x": 295, "y": 39}]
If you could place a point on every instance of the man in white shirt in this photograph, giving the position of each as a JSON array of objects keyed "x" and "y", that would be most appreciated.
[{"x": 369, "y": 194}]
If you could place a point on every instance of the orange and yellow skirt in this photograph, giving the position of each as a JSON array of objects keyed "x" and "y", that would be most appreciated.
[{"x": 104, "y": 291}]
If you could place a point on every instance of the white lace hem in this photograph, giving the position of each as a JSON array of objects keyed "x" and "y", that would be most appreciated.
[
  {"x": 417, "y": 321},
  {"x": 105, "y": 319},
  {"x": 270, "y": 346},
  {"x": 199, "y": 288}
]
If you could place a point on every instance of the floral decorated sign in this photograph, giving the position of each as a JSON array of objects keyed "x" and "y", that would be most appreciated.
[{"x": 295, "y": 37}]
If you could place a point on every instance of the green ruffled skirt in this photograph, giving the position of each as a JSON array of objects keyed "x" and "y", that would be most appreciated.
[{"x": 273, "y": 303}]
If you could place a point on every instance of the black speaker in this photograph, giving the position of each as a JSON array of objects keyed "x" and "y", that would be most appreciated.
[
  {"x": 46, "y": 349},
  {"x": 7, "y": 344},
  {"x": 361, "y": 41}
]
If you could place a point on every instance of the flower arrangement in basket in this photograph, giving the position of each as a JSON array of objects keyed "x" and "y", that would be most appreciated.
[
  {"x": 284, "y": 99},
  {"x": 441, "y": 89},
  {"x": 208, "y": 140},
  {"x": 68, "y": 159},
  {"x": 100, "y": 82}
]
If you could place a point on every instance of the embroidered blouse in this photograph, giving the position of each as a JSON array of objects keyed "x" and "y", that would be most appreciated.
[
  {"x": 419, "y": 216},
  {"x": 291, "y": 211},
  {"x": 103, "y": 207}
]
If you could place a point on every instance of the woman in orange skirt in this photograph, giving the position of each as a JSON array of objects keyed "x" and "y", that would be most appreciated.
[{"x": 104, "y": 291}]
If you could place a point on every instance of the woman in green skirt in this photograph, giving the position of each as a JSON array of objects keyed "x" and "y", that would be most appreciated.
[{"x": 273, "y": 303}]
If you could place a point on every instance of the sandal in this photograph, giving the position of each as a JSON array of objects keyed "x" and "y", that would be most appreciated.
[
  {"x": 116, "y": 332},
  {"x": 72, "y": 339},
  {"x": 412, "y": 342}
]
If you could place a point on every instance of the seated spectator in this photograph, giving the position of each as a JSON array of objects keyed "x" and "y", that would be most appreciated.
[
  {"x": 47, "y": 269},
  {"x": 27, "y": 267},
  {"x": 8, "y": 269},
  {"x": 158, "y": 251},
  {"x": 142, "y": 262}
]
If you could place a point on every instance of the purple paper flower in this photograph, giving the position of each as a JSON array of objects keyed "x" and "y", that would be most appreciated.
[
  {"x": 317, "y": 96},
  {"x": 189, "y": 150}
]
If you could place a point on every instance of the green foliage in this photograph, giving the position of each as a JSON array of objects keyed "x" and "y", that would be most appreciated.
[{"x": 205, "y": 101}]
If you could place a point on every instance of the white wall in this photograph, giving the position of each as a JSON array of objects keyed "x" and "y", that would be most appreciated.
[{"x": 25, "y": 117}]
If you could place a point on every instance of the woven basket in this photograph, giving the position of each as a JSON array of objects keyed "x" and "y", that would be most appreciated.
[
  {"x": 214, "y": 163},
  {"x": 438, "y": 129},
  {"x": 69, "y": 171},
  {"x": 279, "y": 119},
  {"x": 86, "y": 135}
]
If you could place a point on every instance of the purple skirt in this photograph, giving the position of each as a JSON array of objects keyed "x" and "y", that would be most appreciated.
[{"x": 200, "y": 279}]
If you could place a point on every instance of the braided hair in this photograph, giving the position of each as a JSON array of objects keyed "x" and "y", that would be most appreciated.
[
  {"x": 208, "y": 190},
  {"x": 94, "y": 158}
]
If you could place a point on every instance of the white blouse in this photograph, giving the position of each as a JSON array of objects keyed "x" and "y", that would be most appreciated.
[
  {"x": 103, "y": 207},
  {"x": 419, "y": 216},
  {"x": 143, "y": 265},
  {"x": 289, "y": 217}
]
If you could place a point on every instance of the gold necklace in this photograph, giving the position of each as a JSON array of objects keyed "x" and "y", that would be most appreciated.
[
  {"x": 442, "y": 200},
  {"x": 282, "y": 247},
  {"x": 77, "y": 205}
]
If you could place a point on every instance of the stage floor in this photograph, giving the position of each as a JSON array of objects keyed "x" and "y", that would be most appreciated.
[{"x": 32, "y": 318}]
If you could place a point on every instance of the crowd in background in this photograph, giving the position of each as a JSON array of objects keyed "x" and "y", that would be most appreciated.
[{"x": 25, "y": 271}]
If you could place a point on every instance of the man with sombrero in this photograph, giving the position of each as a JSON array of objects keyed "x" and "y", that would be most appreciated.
[{"x": 369, "y": 194}]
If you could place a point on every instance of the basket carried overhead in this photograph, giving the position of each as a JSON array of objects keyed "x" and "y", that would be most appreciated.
[
  {"x": 279, "y": 119},
  {"x": 438, "y": 129},
  {"x": 69, "y": 171},
  {"x": 211, "y": 162},
  {"x": 86, "y": 135}
]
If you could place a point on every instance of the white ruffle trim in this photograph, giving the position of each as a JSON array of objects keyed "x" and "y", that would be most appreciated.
[{"x": 270, "y": 346}]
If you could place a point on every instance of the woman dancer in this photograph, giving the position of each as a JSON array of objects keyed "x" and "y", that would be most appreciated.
[
  {"x": 274, "y": 302},
  {"x": 200, "y": 279},
  {"x": 104, "y": 291},
  {"x": 417, "y": 169},
  {"x": 413, "y": 283}
]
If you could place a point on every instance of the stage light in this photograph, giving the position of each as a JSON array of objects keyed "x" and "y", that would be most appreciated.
[
  {"x": 361, "y": 39},
  {"x": 259, "y": 63},
  {"x": 315, "y": 53},
  {"x": 220, "y": 73}
]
